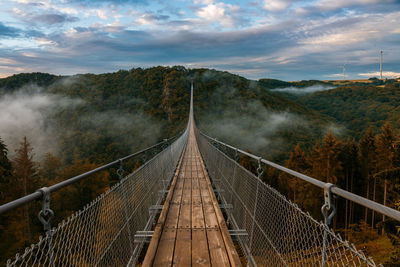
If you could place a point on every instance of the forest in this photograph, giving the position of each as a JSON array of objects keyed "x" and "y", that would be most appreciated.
[{"x": 347, "y": 135}]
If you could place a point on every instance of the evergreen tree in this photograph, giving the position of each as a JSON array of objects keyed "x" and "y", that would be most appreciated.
[
  {"x": 325, "y": 159},
  {"x": 5, "y": 170},
  {"x": 298, "y": 162},
  {"x": 349, "y": 159},
  {"x": 326, "y": 164},
  {"x": 367, "y": 158},
  {"x": 385, "y": 150},
  {"x": 50, "y": 169},
  {"x": 25, "y": 176}
]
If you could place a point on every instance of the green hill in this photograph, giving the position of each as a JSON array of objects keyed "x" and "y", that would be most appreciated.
[
  {"x": 358, "y": 106},
  {"x": 116, "y": 113}
]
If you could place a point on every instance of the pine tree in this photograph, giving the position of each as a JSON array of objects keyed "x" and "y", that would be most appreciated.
[
  {"x": 25, "y": 179},
  {"x": 385, "y": 149},
  {"x": 349, "y": 159},
  {"x": 326, "y": 162},
  {"x": 298, "y": 162},
  {"x": 50, "y": 169},
  {"x": 367, "y": 158},
  {"x": 5, "y": 170}
]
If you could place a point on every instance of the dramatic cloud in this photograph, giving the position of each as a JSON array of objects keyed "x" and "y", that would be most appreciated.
[{"x": 284, "y": 39}]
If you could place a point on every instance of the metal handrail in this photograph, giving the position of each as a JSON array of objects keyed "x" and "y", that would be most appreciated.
[
  {"x": 392, "y": 213},
  {"x": 40, "y": 192}
]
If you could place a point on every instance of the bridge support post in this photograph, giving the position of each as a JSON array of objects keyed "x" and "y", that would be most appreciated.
[
  {"x": 46, "y": 215},
  {"x": 328, "y": 211},
  {"x": 260, "y": 171}
]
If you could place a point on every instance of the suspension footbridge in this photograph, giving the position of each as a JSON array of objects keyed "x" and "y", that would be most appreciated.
[{"x": 192, "y": 205}]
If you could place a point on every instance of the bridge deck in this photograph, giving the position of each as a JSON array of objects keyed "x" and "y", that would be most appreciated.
[{"x": 191, "y": 230}]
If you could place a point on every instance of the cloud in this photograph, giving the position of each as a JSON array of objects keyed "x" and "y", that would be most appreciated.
[
  {"x": 304, "y": 90},
  {"x": 337, "y": 4},
  {"x": 6, "y": 31},
  {"x": 276, "y": 5},
  {"x": 47, "y": 17},
  {"x": 119, "y": 2},
  {"x": 385, "y": 74},
  {"x": 220, "y": 13},
  {"x": 150, "y": 18},
  {"x": 54, "y": 18},
  {"x": 281, "y": 42}
]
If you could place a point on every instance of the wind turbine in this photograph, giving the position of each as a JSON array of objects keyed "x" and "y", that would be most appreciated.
[
  {"x": 344, "y": 70},
  {"x": 381, "y": 61}
]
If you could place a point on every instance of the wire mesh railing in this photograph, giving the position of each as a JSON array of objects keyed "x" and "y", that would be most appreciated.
[
  {"x": 279, "y": 232},
  {"x": 102, "y": 233}
]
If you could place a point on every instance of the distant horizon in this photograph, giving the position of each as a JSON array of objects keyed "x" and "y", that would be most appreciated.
[
  {"x": 256, "y": 79},
  {"x": 280, "y": 39}
]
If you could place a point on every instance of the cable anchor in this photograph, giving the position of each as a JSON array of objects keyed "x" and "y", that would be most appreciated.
[
  {"x": 236, "y": 155},
  {"x": 46, "y": 215},
  {"x": 260, "y": 169},
  {"x": 120, "y": 171},
  {"x": 328, "y": 209}
]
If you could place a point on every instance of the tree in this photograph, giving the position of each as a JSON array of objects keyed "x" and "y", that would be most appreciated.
[
  {"x": 25, "y": 175},
  {"x": 50, "y": 169},
  {"x": 298, "y": 162},
  {"x": 367, "y": 158},
  {"x": 82, "y": 192},
  {"x": 326, "y": 162},
  {"x": 5, "y": 170},
  {"x": 5, "y": 175},
  {"x": 385, "y": 150},
  {"x": 349, "y": 159}
]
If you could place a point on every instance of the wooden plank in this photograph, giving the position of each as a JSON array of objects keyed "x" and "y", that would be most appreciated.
[
  {"x": 184, "y": 236},
  {"x": 217, "y": 249},
  {"x": 165, "y": 251},
  {"x": 200, "y": 251},
  {"x": 186, "y": 209},
  {"x": 197, "y": 208},
  {"x": 166, "y": 246},
  {"x": 183, "y": 249}
]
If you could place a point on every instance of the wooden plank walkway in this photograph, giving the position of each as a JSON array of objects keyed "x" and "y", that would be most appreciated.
[{"x": 191, "y": 230}]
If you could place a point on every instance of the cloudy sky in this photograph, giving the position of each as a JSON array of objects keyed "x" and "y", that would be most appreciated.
[{"x": 283, "y": 39}]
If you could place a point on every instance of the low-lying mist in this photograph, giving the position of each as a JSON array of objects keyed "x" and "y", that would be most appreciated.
[
  {"x": 24, "y": 113},
  {"x": 250, "y": 124},
  {"x": 253, "y": 127},
  {"x": 304, "y": 90},
  {"x": 64, "y": 125}
]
